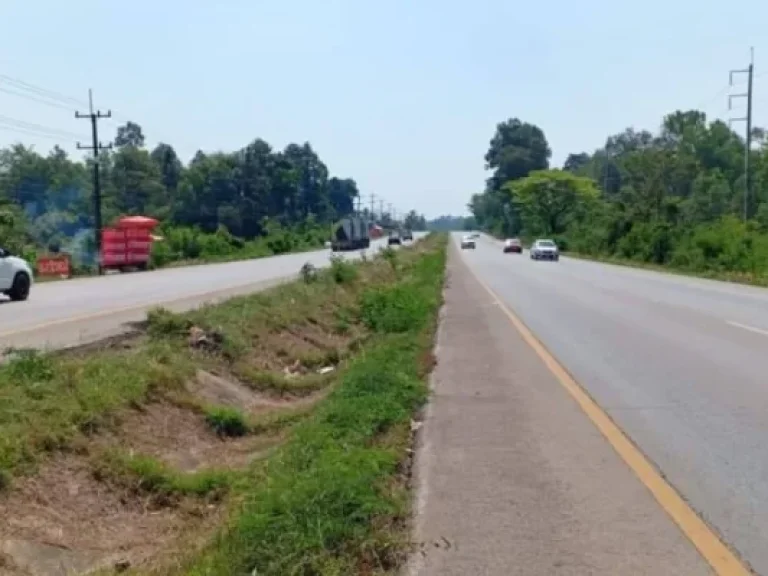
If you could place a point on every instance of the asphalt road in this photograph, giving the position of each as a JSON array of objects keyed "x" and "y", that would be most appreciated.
[
  {"x": 73, "y": 312},
  {"x": 680, "y": 364}
]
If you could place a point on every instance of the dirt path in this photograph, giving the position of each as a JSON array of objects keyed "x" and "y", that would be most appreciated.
[{"x": 512, "y": 478}]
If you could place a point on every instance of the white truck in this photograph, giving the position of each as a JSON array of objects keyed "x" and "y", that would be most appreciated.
[{"x": 16, "y": 276}]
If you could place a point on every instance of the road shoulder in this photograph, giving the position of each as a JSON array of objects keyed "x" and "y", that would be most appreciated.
[{"x": 512, "y": 478}]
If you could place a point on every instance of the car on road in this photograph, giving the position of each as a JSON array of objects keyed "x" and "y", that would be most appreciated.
[
  {"x": 468, "y": 242},
  {"x": 545, "y": 249},
  {"x": 394, "y": 239},
  {"x": 513, "y": 245},
  {"x": 15, "y": 276},
  {"x": 408, "y": 235}
]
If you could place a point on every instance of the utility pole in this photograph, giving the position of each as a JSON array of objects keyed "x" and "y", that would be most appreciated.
[
  {"x": 373, "y": 201},
  {"x": 748, "y": 119},
  {"x": 96, "y": 146},
  {"x": 381, "y": 209}
]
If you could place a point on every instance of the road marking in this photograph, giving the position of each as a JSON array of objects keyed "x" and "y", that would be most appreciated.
[
  {"x": 750, "y": 328},
  {"x": 137, "y": 307},
  {"x": 713, "y": 550}
]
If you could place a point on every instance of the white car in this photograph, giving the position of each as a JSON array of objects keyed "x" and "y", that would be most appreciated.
[
  {"x": 16, "y": 276},
  {"x": 468, "y": 242},
  {"x": 544, "y": 249}
]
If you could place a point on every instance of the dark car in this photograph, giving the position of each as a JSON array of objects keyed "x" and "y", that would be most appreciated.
[
  {"x": 394, "y": 239},
  {"x": 408, "y": 235},
  {"x": 513, "y": 245}
]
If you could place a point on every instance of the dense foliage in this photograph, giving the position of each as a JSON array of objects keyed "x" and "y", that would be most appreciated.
[
  {"x": 218, "y": 204},
  {"x": 675, "y": 197},
  {"x": 451, "y": 223}
]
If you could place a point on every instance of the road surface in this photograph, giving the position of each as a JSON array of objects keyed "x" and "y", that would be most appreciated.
[
  {"x": 680, "y": 364},
  {"x": 73, "y": 312}
]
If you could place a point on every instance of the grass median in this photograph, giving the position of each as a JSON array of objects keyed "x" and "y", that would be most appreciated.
[{"x": 299, "y": 399}]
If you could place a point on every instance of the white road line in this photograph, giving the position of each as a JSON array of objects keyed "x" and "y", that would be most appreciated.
[{"x": 750, "y": 328}]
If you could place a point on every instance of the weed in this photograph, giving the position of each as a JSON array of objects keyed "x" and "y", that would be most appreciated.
[
  {"x": 308, "y": 273},
  {"x": 343, "y": 272},
  {"x": 226, "y": 421},
  {"x": 163, "y": 322},
  {"x": 394, "y": 309}
]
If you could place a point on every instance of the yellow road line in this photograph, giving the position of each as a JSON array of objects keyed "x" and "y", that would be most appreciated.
[
  {"x": 138, "y": 307},
  {"x": 709, "y": 545}
]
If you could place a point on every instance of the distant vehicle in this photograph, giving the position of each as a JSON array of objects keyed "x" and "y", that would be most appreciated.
[
  {"x": 474, "y": 235},
  {"x": 544, "y": 249},
  {"x": 408, "y": 235},
  {"x": 16, "y": 276},
  {"x": 394, "y": 238},
  {"x": 351, "y": 233},
  {"x": 468, "y": 242},
  {"x": 513, "y": 245}
]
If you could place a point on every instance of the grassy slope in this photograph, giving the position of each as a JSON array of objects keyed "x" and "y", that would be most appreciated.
[{"x": 329, "y": 502}]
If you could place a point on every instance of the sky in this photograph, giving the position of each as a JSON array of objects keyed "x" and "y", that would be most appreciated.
[{"x": 404, "y": 97}]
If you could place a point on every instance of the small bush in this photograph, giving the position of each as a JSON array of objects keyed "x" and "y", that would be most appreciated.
[
  {"x": 226, "y": 421},
  {"x": 399, "y": 308},
  {"x": 308, "y": 273},
  {"x": 343, "y": 272},
  {"x": 163, "y": 322}
]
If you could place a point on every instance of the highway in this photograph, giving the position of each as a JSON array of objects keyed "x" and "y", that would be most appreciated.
[
  {"x": 680, "y": 364},
  {"x": 78, "y": 311}
]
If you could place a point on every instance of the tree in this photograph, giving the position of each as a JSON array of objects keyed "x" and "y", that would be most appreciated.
[
  {"x": 516, "y": 149},
  {"x": 549, "y": 200},
  {"x": 129, "y": 134}
]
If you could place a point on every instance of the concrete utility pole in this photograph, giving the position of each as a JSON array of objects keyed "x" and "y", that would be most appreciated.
[
  {"x": 96, "y": 146},
  {"x": 748, "y": 118}
]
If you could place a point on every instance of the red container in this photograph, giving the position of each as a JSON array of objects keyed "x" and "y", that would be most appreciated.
[{"x": 129, "y": 244}]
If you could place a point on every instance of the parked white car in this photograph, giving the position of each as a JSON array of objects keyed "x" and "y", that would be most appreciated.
[{"x": 16, "y": 276}]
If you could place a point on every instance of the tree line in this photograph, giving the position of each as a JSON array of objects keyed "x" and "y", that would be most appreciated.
[
  {"x": 671, "y": 197},
  {"x": 218, "y": 202}
]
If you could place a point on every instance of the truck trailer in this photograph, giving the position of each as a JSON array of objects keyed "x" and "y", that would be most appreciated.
[{"x": 351, "y": 233}]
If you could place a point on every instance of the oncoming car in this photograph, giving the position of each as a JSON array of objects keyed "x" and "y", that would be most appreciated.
[
  {"x": 513, "y": 245},
  {"x": 15, "y": 276},
  {"x": 468, "y": 242},
  {"x": 544, "y": 249}
]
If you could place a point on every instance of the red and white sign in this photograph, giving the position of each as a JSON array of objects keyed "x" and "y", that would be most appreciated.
[{"x": 58, "y": 265}]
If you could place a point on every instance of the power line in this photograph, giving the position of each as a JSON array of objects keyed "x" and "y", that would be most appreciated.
[
  {"x": 39, "y": 127},
  {"x": 45, "y": 92},
  {"x": 36, "y": 99}
]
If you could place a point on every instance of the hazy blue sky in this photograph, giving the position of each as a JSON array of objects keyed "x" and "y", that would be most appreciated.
[{"x": 402, "y": 96}]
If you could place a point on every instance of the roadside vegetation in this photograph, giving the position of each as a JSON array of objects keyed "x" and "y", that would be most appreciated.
[
  {"x": 256, "y": 201},
  {"x": 268, "y": 434},
  {"x": 672, "y": 199}
]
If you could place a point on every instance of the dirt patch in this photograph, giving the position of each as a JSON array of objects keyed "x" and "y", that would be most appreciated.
[
  {"x": 64, "y": 521},
  {"x": 181, "y": 438}
]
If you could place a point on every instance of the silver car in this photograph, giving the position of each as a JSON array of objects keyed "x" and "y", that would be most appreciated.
[
  {"x": 467, "y": 242},
  {"x": 544, "y": 249}
]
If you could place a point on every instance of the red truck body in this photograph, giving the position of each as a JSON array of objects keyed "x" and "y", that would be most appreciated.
[{"x": 128, "y": 244}]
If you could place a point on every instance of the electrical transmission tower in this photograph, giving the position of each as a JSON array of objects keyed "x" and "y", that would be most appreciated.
[
  {"x": 748, "y": 119},
  {"x": 96, "y": 147}
]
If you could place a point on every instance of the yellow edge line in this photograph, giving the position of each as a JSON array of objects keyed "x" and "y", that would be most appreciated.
[
  {"x": 709, "y": 545},
  {"x": 137, "y": 307}
]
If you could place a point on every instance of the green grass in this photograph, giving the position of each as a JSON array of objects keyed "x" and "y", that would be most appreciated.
[
  {"x": 144, "y": 474},
  {"x": 327, "y": 501},
  {"x": 226, "y": 421},
  {"x": 325, "y": 504}
]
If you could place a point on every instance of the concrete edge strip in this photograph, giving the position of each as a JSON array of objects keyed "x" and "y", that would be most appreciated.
[{"x": 707, "y": 542}]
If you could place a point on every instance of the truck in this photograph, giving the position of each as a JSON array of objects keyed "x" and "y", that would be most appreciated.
[
  {"x": 128, "y": 244},
  {"x": 351, "y": 233}
]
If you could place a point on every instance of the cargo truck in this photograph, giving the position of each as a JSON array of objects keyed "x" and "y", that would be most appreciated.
[{"x": 351, "y": 233}]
